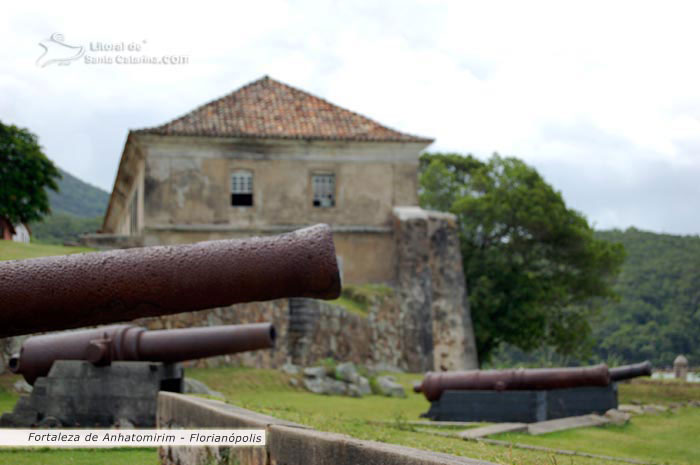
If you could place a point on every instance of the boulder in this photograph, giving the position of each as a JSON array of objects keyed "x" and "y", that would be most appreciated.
[
  {"x": 291, "y": 369},
  {"x": 346, "y": 372},
  {"x": 315, "y": 372},
  {"x": 363, "y": 386},
  {"x": 335, "y": 387},
  {"x": 316, "y": 385},
  {"x": 389, "y": 387},
  {"x": 353, "y": 390},
  {"x": 617, "y": 417},
  {"x": 22, "y": 387},
  {"x": 193, "y": 386},
  {"x": 123, "y": 423}
]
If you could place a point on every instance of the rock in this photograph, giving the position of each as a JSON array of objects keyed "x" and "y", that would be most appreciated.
[
  {"x": 22, "y": 387},
  {"x": 389, "y": 387},
  {"x": 346, "y": 372},
  {"x": 629, "y": 408},
  {"x": 335, "y": 387},
  {"x": 617, "y": 417},
  {"x": 50, "y": 422},
  {"x": 294, "y": 382},
  {"x": 290, "y": 369},
  {"x": 123, "y": 423},
  {"x": 650, "y": 409},
  {"x": 315, "y": 372},
  {"x": 193, "y": 386},
  {"x": 363, "y": 386},
  {"x": 354, "y": 390},
  {"x": 659, "y": 408},
  {"x": 315, "y": 385}
]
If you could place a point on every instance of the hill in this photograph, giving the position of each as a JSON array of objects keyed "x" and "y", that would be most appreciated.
[
  {"x": 77, "y": 208},
  {"x": 78, "y": 198},
  {"x": 658, "y": 314}
]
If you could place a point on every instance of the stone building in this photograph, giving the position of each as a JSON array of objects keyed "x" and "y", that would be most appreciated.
[{"x": 269, "y": 158}]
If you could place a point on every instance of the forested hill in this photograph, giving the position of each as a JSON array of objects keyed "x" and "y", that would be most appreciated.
[
  {"x": 78, "y": 198},
  {"x": 77, "y": 208},
  {"x": 658, "y": 314}
]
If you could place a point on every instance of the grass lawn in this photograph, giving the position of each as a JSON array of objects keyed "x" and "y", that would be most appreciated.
[
  {"x": 663, "y": 438},
  {"x": 10, "y": 250},
  {"x": 125, "y": 456}
]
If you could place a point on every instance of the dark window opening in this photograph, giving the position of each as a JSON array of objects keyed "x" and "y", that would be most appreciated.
[{"x": 242, "y": 200}]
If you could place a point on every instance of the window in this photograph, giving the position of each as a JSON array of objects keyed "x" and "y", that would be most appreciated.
[
  {"x": 324, "y": 190},
  {"x": 242, "y": 189}
]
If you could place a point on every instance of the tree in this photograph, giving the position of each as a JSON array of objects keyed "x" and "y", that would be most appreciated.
[
  {"x": 532, "y": 266},
  {"x": 25, "y": 173}
]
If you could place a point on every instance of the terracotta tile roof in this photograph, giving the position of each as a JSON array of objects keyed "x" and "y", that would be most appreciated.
[{"x": 267, "y": 108}]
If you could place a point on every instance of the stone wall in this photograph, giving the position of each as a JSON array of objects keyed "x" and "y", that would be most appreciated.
[{"x": 435, "y": 316}]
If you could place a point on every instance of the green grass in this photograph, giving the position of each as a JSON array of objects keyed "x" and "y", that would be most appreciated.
[
  {"x": 269, "y": 392},
  {"x": 358, "y": 298},
  {"x": 136, "y": 456},
  {"x": 663, "y": 392},
  {"x": 663, "y": 438},
  {"x": 10, "y": 250}
]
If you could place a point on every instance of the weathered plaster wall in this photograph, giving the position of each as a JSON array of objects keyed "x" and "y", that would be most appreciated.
[
  {"x": 365, "y": 256},
  {"x": 189, "y": 182}
]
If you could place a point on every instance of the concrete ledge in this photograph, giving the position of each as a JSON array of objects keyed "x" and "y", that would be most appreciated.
[
  {"x": 562, "y": 424},
  {"x": 490, "y": 430},
  {"x": 287, "y": 443}
]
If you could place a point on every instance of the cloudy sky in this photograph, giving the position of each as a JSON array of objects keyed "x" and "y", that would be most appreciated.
[{"x": 603, "y": 98}]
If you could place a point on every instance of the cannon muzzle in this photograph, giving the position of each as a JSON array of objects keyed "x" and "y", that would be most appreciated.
[
  {"x": 434, "y": 384},
  {"x": 72, "y": 291},
  {"x": 630, "y": 371},
  {"x": 101, "y": 346}
]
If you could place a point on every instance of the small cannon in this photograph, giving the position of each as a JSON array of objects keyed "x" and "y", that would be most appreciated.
[
  {"x": 72, "y": 291},
  {"x": 434, "y": 384},
  {"x": 524, "y": 395},
  {"x": 102, "y": 346},
  {"x": 104, "y": 376}
]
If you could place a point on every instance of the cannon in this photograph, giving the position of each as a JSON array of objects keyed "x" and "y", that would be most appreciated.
[
  {"x": 625, "y": 372},
  {"x": 105, "y": 376},
  {"x": 524, "y": 395},
  {"x": 434, "y": 384},
  {"x": 72, "y": 291},
  {"x": 102, "y": 346}
]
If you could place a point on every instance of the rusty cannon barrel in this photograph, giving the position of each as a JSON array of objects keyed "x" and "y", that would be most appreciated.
[
  {"x": 72, "y": 291},
  {"x": 101, "y": 346},
  {"x": 624, "y": 372},
  {"x": 434, "y": 384}
]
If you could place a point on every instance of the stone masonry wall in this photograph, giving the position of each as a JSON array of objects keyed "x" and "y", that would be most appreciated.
[{"x": 435, "y": 316}]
